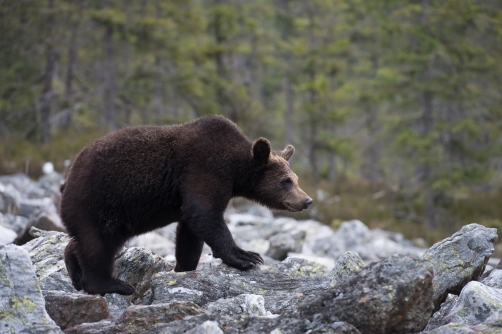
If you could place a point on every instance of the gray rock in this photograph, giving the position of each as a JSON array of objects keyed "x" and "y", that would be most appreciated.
[
  {"x": 476, "y": 303},
  {"x": 168, "y": 232},
  {"x": 20, "y": 181},
  {"x": 391, "y": 296},
  {"x": 492, "y": 325},
  {"x": 340, "y": 327},
  {"x": 102, "y": 327},
  {"x": 51, "y": 181},
  {"x": 155, "y": 242},
  {"x": 299, "y": 267},
  {"x": 371, "y": 245},
  {"x": 202, "y": 287},
  {"x": 246, "y": 304},
  {"x": 47, "y": 218},
  {"x": 29, "y": 206},
  {"x": 328, "y": 262},
  {"x": 136, "y": 266},
  {"x": 117, "y": 304},
  {"x": 441, "y": 317},
  {"x": 280, "y": 302},
  {"x": 22, "y": 307},
  {"x": 44, "y": 218},
  {"x": 142, "y": 318},
  {"x": 347, "y": 264},
  {"x": 69, "y": 310},
  {"x": 207, "y": 327},
  {"x": 9, "y": 199},
  {"x": 246, "y": 227},
  {"x": 16, "y": 223},
  {"x": 7, "y": 236},
  {"x": 459, "y": 259},
  {"x": 253, "y": 325},
  {"x": 283, "y": 243},
  {"x": 494, "y": 278},
  {"x": 314, "y": 231},
  {"x": 47, "y": 254},
  {"x": 189, "y": 323}
]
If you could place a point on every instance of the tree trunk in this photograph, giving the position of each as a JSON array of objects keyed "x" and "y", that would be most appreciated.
[
  {"x": 313, "y": 150},
  {"x": 110, "y": 88},
  {"x": 312, "y": 100},
  {"x": 159, "y": 106},
  {"x": 332, "y": 173},
  {"x": 45, "y": 108},
  {"x": 427, "y": 123},
  {"x": 72, "y": 54},
  {"x": 288, "y": 115},
  {"x": 374, "y": 172},
  {"x": 222, "y": 96}
]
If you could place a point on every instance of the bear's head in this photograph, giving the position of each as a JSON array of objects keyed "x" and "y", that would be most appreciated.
[{"x": 275, "y": 184}]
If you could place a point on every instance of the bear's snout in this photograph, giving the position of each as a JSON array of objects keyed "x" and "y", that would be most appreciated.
[{"x": 308, "y": 201}]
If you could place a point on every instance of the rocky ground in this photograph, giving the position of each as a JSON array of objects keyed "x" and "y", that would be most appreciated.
[{"x": 314, "y": 280}]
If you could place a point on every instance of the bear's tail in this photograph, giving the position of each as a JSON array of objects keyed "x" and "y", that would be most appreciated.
[{"x": 61, "y": 188}]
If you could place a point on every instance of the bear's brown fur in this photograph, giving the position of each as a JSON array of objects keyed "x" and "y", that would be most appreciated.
[{"x": 141, "y": 178}]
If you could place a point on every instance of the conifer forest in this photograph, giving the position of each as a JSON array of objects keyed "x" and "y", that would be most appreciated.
[{"x": 394, "y": 107}]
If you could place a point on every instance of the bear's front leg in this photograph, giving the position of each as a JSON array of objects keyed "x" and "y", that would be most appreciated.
[{"x": 211, "y": 227}]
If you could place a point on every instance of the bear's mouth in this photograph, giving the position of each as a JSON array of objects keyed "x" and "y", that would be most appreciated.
[{"x": 292, "y": 208}]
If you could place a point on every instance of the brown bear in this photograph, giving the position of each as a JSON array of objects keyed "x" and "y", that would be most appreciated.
[{"x": 137, "y": 179}]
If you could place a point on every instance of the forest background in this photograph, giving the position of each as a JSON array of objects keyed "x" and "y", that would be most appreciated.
[{"x": 394, "y": 107}]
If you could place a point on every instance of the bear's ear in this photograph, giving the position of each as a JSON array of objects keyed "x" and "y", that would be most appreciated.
[
  {"x": 288, "y": 152},
  {"x": 261, "y": 150}
]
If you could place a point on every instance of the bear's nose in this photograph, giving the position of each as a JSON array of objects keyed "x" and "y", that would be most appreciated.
[{"x": 308, "y": 201}]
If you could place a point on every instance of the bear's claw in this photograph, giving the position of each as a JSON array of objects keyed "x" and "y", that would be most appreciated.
[{"x": 242, "y": 259}]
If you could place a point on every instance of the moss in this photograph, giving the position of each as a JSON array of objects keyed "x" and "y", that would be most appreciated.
[
  {"x": 3, "y": 273},
  {"x": 17, "y": 308}
]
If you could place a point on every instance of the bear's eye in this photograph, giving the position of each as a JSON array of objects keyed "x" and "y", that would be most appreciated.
[{"x": 287, "y": 181}]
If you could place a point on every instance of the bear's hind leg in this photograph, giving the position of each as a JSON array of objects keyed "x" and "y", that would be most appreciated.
[
  {"x": 72, "y": 265},
  {"x": 96, "y": 256},
  {"x": 188, "y": 248}
]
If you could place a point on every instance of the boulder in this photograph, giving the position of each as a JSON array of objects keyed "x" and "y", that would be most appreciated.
[
  {"x": 207, "y": 327},
  {"x": 22, "y": 307},
  {"x": 492, "y": 325},
  {"x": 155, "y": 242},
  {"x": 459, "y": 259},
  {"x": 347, "y": 264},
  {"x": 476, "y": 303},
  {"x": 246, "y": 304},
  {"x": 441, "y": 316},
  {"x": 391, "y": 296},
  {"x": 21, "y": 182},
  {"x": 283, "y": 243},
  {"x": 9, "y": 199},
  {"x": 136, "y": 266},
  {"x": 29, "y": 206},
  {"x": 7, "y": 236},
  {"x": 47, "y": 254},
  {"x": 494, "y": 277},
  {"x": 140, "y": 318},
  {"x": 68, "y": 309},
  {"x": 18, "y": 224},
  {"x": 43, "y": 217},
  {"x": 202, "y": 287},
  {"x": 371, "y": 245}
]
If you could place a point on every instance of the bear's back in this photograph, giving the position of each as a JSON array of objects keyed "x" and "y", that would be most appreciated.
[{"x": 142, "y": 159}]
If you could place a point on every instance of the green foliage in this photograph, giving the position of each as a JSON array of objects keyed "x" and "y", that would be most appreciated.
[{"x": 400, "y": 94}]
